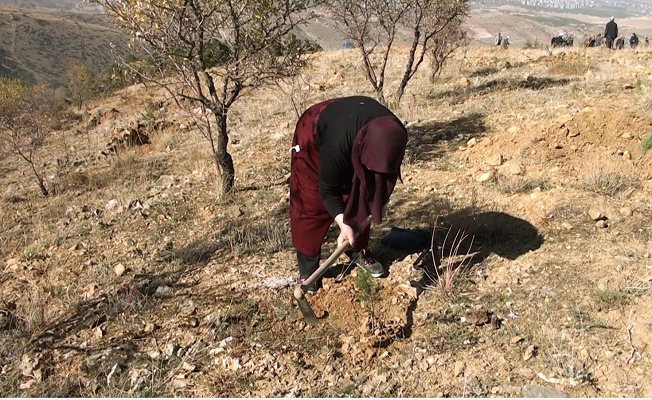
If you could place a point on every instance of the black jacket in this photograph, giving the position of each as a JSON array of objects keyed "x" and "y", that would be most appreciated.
[
  {"x": 337, "y": 126},
  {"x": 611, "y": 30}
]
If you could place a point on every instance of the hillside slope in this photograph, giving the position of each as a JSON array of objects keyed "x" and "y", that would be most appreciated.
[
  {"x": 137, "y": 278},
  {"x": 37, "y": 43}
]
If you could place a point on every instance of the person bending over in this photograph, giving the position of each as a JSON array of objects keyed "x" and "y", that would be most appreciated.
[{"x": 346, "y": 158}]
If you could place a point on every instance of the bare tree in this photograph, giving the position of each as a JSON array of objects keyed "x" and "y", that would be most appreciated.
[
  {"x": 80, "y": 82},
  {"x": 376, "y": 25},
  {"x": 444, "y": 45},
  {"x": 209, "y": 53},
  {"x": 26, "y": 114}
]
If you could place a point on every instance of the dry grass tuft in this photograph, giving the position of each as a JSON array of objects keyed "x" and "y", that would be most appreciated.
[
  {"x": 267, "y": 236},
  {"x": 607, "y": 183},
  {"x": 520, "y": 184},
  {"x": 576, "y": 64}
]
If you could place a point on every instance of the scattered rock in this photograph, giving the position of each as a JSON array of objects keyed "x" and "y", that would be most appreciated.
[
  {"x": 530, "y": 352},
  {"x": 601, "y": 224},
  {"x": 180, "y": 383},
  {"x": 119, "y": 269},
  {"x": 513, "y": 130},
  {"x": 188, "y": 367},
  {"x": 458, "y": 368},
  {"x": 516, "y": 339},
  {"x": 486, "y": 177},
  {"x": 511, "y": 168},
  {"x": 477, "y": 316},
  {"x": 486, "y": 142},
  {"x": 596, "y": 215},
  {"x": 112, "y": 204},
  {"x": 472, "y": 142},
  {"x": 495, "y": 160},
  {"x": 566, "y": 226},
  {"x": 626, "y": 212},
  {"x": 162, "y": 291},
  {"x": 536, "y": 391},
  {"x": 13, "y": 264}
]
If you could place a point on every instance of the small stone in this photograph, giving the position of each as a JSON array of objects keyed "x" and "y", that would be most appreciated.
[
  {"x": 511, "y": 168},
  {"x": 472, "y": 142},
  {"x": 626, "y": 212},
  {"x": 529, "y": 352},
  {"x": 596, "y": 215},
  {"x": 458, "y": 368},
  {"x": 601, "y": 224},
  {"x": 495, "y": 160},
  {"x": 536, "y": 391},
  {"x": 119, "y": 269},
  {"x": 566, "y": 226},
  {"x": 98, "y": 333},
  {"x": 179, "y": 383},
  {"x": 516, "y": 339},
  {"x": 627, "y": 135},
  {"x": 112, "y": 204},
  {"x": 485, "y": 177},
  {"x": 513, "y": 130},
  {"x": 188, "y": 367},
  {"x": 13, "y": 264}
]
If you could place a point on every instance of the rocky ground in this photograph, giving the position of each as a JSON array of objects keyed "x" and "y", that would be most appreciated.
[{"x": 137, "y": 278}]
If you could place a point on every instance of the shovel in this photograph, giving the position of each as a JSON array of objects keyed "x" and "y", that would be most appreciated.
[{"x": 300, "y": 289}]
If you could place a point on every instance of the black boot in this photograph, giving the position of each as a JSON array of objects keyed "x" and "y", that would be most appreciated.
[{"x": 308, "y": 265}]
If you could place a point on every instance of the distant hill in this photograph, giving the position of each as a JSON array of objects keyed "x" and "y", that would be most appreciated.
[{"x": 37, "y": 42}]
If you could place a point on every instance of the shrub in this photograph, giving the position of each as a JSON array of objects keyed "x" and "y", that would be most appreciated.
[
  {"x": 646, "y": 143},
  {"x": 533, "y": 44}
]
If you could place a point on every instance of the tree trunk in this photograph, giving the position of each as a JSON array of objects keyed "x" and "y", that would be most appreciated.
[
  {"x": 223, "y": 159},
  {"x": 407, "y": 72},
  {"x": 39, "y": 181}
]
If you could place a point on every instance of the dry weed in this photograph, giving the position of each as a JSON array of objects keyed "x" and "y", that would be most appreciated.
[
  {"x": 575, "y": 64},
  {"x": 520, "y": 184},
  {"x": 606, "y": 177},
  {"x": 644, "y": 95},
  {"x": 268, "y": 236}
]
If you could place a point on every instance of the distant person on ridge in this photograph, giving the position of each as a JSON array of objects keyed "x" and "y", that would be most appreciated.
[
  {"x": 633, "y": 41},
  {"x": 499, "y": 40},
  {"x": 505, "y": 43},
  {"x": 610, "y": 33},
  {"x": 647, "y": 41}
]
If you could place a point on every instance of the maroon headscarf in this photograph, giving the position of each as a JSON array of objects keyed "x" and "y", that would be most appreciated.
[{"x": 377, "y": 154}]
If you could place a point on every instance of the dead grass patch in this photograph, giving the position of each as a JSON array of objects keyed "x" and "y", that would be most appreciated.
[
  {"x": 268, "y": 236},
  {"x": 608, "y": 299},
  {"x": 644, "y": 95},
  {"x": 646, "y": 143},
  {"x": 520, "y": 184},
  {"x": 607, "y": 182},
  {"x": 565, "y": 361},
  {"x": 571, "y": 64}
]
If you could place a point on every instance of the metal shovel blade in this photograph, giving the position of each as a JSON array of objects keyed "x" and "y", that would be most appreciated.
[{"x": 307, "y": 312}]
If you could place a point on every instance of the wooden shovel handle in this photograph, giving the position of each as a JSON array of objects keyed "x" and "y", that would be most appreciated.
[{"x": 298, "y": 292}]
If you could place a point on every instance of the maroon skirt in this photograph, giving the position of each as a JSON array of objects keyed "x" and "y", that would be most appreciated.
[{"x": 309, "y": 219}]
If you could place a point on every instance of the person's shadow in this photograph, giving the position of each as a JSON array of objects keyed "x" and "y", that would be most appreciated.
[{"x": 463, "y": 239}]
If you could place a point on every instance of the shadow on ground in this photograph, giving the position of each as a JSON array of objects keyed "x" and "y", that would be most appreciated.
[
  {"x": 475, "y": 235},
  {"x": 431, "y": 140},
  {"x": 459, "y": 95}
]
